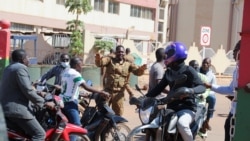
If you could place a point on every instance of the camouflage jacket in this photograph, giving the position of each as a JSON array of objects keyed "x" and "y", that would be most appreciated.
[
  {"x": 129, "y": 58},
  {"x": 117, "y": 73}
]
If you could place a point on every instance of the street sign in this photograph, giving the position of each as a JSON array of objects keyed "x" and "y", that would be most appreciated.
[{"x": 205, "y": 36}]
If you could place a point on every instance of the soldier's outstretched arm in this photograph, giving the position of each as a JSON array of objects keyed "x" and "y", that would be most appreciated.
[{"x": 129, "y": 90}]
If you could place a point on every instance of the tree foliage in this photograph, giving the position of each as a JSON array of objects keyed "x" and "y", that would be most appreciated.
[
  {"x": 102, "y": 45},
  {"x": 71, "y": 25},
  {"x": 77, "y": 7}
]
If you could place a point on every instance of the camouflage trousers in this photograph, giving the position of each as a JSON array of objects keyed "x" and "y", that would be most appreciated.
[{"x": 116, "y": 101}]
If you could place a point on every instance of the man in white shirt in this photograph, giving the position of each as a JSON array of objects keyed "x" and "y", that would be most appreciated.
[
  {"x": 211, "y": 99},
  {"x": 71, "y": 82}
]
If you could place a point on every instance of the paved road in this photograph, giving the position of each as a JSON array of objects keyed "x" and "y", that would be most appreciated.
[{"x": 217, "y": 122}]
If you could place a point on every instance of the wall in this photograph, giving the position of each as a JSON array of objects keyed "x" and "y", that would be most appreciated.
[
  {"x": 223, "y": 16},
  {"x": 88, "y": 72}
]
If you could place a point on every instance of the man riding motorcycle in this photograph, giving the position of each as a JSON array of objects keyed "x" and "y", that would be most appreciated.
[
  {"x": 17, "y": 93},
  {"x": 185, "y": 107}
]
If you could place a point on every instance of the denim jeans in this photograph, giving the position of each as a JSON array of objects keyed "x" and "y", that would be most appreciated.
[
  {"x": 185, "y": 118},
  {"x": 211, "y": 100},
  {"x": 71, "y": 111}
]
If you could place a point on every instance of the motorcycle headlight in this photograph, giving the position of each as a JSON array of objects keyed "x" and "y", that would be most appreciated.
[{"x": 145, "y": 114}]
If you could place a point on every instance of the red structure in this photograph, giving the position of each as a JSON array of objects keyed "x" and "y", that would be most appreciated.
[
  {"x": 4, "y": 44},
  {"x": 243, "y": 104}
]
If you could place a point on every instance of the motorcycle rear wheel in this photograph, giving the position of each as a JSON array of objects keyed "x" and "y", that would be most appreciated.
[
  {"x": 80, "y": 137},
  {"x": 112, "y": 135},
  {"x": 140, "y": 137}
]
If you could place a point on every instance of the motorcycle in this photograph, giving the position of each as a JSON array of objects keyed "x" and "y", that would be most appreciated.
[
  {"x": 159, "y": 122},
  {"x": 54, "y": 123},
  {"x": 101, "y": 122}
]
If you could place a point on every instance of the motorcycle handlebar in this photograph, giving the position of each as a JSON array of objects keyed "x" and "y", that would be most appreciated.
[
  {"x": 144, "y": 102},
  {"x": 135, "y": 101}
]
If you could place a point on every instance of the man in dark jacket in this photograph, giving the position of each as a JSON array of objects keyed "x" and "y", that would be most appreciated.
[
  {"x": 56, "y": 72},
  {"x": 16, "y": 93},
  {"x": 185, "y": 107}
]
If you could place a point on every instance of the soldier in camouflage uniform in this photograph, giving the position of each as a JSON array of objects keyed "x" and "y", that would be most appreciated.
[{"x": 117, "y": 71}]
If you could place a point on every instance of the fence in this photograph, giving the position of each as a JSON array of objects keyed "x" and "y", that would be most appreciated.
[{"x": 222, "y": 61}]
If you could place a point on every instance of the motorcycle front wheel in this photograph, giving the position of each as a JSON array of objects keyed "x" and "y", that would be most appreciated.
[
  {"x": 116, "y": 134},
  {"x": 79, "y": 137},
  {"x": 147, "y": 135}
]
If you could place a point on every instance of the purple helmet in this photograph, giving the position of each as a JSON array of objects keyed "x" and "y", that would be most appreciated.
[{"x": 174, "y": 52}]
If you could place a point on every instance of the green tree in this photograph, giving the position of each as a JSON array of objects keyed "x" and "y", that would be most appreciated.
[
  {"x": 77, "y": 7},
  {"x": 102, "y": 45}
]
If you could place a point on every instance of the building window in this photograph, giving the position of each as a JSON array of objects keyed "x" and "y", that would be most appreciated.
[
  {"x": 160, "y": 26},
  {"x": 161, "y": 14},
  {"x": 21, "y": 27},
  {"x": 60, "y": 40},
  {"x": 113, "y": 7},
  {"x": 141, "y": 12},
  {"x": 135, "y": 11},
  {"x": 17, "y": 43},
  {"x": 99, "y": 5},
  {"x": 61, "y": 2},
  {"x": 160, "y": 37}
]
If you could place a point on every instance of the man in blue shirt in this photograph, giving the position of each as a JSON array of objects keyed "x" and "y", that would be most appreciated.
[
  {"x": 231, "y": 91},
  {"x": 56, "y": 71}
]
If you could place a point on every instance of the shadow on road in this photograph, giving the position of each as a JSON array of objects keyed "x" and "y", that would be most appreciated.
[
  {"x": 139, "y": 137},
  {"x": 222, "y": 115}
]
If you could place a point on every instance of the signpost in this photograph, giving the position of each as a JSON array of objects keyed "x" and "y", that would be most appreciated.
[{"x": 205, "y": 38}]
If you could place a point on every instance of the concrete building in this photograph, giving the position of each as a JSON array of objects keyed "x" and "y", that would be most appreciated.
[
  {"x": 138, "y": 20},
  {"x": 224, "y": 17},
  {"x": 147, "y": 23}
]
